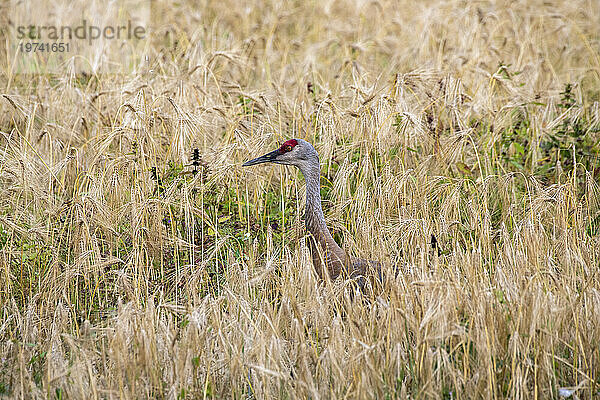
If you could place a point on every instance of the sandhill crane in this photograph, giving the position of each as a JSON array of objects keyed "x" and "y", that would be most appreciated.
[{"x": 325, "y": 252}]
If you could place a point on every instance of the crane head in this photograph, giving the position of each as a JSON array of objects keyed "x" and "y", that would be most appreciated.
[{"x": 292, "y": 152}]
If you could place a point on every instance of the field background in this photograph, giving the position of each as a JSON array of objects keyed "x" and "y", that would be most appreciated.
[{"x": 140, "y": 260}]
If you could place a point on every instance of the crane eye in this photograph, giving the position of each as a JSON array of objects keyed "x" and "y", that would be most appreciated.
[{"x": 288, "y": 148}]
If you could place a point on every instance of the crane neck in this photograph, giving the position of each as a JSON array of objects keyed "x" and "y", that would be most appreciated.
[
  {"x": 312, "y": 176},
  {"x": 314, "y": 219}
]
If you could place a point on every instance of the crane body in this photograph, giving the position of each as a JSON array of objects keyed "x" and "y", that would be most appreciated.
[{"x": 329, "y": 259}]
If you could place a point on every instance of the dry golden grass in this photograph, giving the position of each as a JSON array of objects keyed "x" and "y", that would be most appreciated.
[{"x": 120, "y": 281}]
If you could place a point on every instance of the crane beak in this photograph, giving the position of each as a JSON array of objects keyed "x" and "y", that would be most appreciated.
[{"x": 269, "y": 157}]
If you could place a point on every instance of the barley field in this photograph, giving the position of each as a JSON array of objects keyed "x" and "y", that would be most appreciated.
[{"x": 458, "y": 142}]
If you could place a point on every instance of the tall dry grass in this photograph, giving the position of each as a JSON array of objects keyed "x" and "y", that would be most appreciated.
[{"x": 125, "y": 275}]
